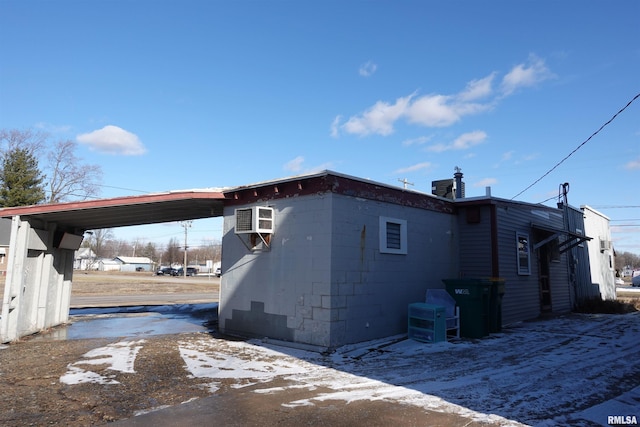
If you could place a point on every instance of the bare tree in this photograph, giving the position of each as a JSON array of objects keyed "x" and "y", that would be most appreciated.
[
  {"x": 208, "y": 250},
  {"x": 68, "y": 177},
  {"x": 29, "y": 140},
  {"x": 98, "y": 241},
  {"x": 173, "y": 254}
]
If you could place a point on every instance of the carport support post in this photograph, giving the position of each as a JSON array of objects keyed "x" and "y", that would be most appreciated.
[
  {"x": 38, "y": 284},
  {"x": 12, "y": 301}
]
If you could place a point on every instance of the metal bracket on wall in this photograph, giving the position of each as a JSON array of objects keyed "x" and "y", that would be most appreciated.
[{"x": 256, "y": 242}]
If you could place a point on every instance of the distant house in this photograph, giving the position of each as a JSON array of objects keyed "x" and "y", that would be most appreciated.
[
  {"x": 107, "y": 264},
  {"x": 134, "y": 263},
  {"x": 328, "y": 259},
  {"x": 84, "y": 259}
]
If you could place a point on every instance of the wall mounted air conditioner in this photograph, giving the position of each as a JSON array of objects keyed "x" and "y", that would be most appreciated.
[
  {"x": 605, "y": 245},
  {"x": 256, "y": 219}
]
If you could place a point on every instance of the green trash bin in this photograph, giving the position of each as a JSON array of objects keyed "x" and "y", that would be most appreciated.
[
  {"x": 495, "y": 304},
  {"x": 473, "y": 296}
]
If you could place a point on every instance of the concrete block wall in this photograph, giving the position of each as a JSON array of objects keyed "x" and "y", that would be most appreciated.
[
  {"x": 373, "y": 289},
  {"x": 324, "y": 272},
  {"x": 288, "y": 281}
]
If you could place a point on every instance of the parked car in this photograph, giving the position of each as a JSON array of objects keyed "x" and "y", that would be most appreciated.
[
  {"x": 218, "y": 272},
  {"x": 635, "y": 278},
  {"x": 191, "y": 271},
  {"x": 167, "y": 271}
]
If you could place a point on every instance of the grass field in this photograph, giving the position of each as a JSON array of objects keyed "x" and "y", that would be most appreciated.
[{"x": 87, "y": 283}]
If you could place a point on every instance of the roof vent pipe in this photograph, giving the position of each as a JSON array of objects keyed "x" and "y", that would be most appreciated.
[{"x": 457, "y": 176}]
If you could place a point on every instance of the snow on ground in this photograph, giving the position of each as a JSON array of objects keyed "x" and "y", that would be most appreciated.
[
  {"x": 575, "y": 370},
  {"x": 119, "y": 356}
]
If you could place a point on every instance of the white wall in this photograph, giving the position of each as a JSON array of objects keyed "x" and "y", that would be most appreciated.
[{"x": 601, "y": 262}]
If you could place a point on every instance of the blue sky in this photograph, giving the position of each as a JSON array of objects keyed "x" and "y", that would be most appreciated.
[{"x": 169, "y": 95}]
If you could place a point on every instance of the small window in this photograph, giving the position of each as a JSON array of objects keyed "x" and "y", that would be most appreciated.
[
  {"x": 524, "y": 254},
  {"x": 393, "y": 236}
]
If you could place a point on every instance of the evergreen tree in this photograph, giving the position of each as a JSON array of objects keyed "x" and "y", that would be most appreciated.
[{"x": 21, "y": 182}]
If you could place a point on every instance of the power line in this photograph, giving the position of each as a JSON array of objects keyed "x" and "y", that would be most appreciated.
[
  {"x": 579, "y": 146},
  {"x": 615, "y": 207}
]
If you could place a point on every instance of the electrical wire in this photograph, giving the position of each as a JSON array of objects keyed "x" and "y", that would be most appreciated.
[
  {"x": 579, "y": 146},
  {"x": 615, "y": 207}
]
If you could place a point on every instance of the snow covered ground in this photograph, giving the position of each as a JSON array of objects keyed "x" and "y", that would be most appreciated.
[{"x": 573, "y": 370}]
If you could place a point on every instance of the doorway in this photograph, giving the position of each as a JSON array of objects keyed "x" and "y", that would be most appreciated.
[{"x": 544, "y": 279}]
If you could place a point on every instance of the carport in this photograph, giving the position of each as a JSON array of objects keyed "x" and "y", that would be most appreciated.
[{"x": 44, "y": 238}]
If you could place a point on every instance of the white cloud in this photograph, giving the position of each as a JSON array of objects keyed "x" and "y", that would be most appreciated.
[
  {"x": 526, "y": 75},
  {"x": 433, "y": 111},
  {"x": 415, "y": 141},
  {"x": 48, "y": 127},
  {"x": 367, "y": 69},
  {"x": 485, "y": 182},
  {"x": 413, "y": 168},
  {"x": 468, "y": 140},
  {"x": 113, "y": 140},
  {"x": 463, "y": 142},
  {"x": 438, "y": 110},
  {"x": 378, "y": 119},
  {"x": 428, "y": 111},
  {"x": 508, "y": 155},
  {"x": 294, "y": 165},
  {"x": 335, "y": 126},
  {"x": 633, "y": 165},
  {"x": 477, "y": 89}
]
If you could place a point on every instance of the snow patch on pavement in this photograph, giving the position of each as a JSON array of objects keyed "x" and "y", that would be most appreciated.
[{"x": 119, "y": 357}]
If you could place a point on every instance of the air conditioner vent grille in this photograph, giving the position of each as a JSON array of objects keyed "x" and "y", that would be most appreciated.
[
  {"x": 254, "y": 220},
  {"x": 243, "y": 220}
]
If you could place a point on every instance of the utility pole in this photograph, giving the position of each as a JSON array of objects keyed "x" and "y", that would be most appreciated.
[
  {"x": 405, "y": 182},
  {"x": 186, "y": 225}
]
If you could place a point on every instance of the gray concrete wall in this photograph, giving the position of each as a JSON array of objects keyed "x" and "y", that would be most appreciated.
[
  {"x": 372, "y": 289},
  {"x": 38, "y": 286},
  {"x": 324, "y": 281},
  {"x": 274, "y": 292}
]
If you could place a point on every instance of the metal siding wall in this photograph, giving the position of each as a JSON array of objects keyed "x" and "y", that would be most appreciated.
[
  {"x": 522, "y": 293},
  {"x": 579, "y": 268},
  {"x": 475, "y": 250}
]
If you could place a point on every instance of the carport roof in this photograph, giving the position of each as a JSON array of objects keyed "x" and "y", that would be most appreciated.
[{"x": 124, "y": 211}]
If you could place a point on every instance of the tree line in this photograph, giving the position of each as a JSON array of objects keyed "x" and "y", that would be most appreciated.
[
  {"x": 103, "y": 244},
  {"x": 626, "y": 259}
]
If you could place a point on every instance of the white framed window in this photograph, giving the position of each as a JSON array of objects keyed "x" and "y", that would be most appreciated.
[
  {"x": 393, "y": 236},
  {"x": 523, "y": 253}
]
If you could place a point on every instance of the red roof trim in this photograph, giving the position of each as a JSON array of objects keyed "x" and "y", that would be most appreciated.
[{"x": 117, "y": 201}]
